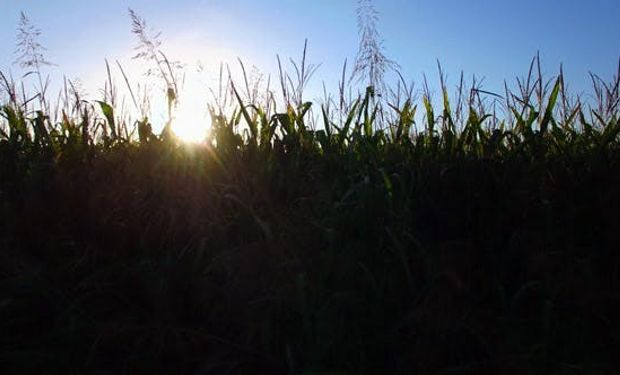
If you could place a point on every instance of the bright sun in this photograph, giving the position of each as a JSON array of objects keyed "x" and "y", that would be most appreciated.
[{"x": 191, "y": 120}]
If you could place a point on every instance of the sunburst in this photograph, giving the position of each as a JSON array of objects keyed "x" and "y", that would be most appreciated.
[{"x": 191, "y": 121}]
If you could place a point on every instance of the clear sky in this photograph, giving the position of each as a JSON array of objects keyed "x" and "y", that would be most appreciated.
[{"x": 495, "y": 39}]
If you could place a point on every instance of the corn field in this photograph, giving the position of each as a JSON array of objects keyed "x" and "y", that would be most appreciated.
[{"x": 364, "y": 234}]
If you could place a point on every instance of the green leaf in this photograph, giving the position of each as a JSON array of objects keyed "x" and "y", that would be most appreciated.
[
  {"x": 246, "y": 115},
  {"x": 108, "y": 113},
  {"x": 550, "y": 105},
  {"x": 430, "y": 115}
]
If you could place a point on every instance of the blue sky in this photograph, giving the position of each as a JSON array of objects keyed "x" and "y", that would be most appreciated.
[{"x": 493, "y": 39}]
